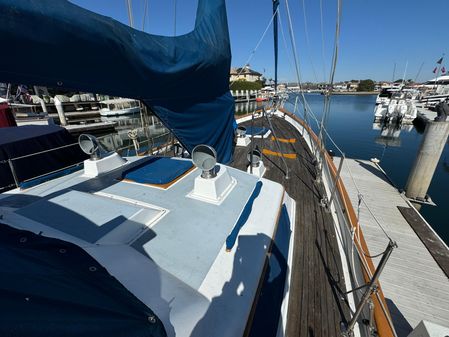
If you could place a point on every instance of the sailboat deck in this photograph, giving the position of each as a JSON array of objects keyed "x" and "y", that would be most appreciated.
[{"x": 315, "y": 305}]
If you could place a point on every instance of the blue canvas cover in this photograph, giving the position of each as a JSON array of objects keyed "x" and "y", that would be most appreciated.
[
  {"x": 183, "y": 79},
  {"x": 49, "y": 287},
  {"x": 20, "y": 141}
]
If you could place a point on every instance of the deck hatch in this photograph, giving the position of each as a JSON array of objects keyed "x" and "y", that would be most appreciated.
[{"x": 86, "y": 216}]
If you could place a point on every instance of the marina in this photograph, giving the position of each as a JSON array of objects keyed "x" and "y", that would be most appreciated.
[{"x": 151, "y": 188}]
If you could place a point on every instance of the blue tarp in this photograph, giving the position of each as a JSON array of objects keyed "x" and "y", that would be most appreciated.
[
  {"x": 183, "y": 79},
  {"x": 20, "y": 141},
  {"x": 50, "y": 287}
]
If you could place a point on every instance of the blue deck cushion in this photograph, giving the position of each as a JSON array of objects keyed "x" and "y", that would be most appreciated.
[{"x": 158, "y": 171}]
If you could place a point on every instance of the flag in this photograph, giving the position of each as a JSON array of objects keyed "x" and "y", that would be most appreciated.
[
  {"x": 443, "y": 70},
  {"x": 435, "y": 70},
  {"x": 440, "y": 61}
]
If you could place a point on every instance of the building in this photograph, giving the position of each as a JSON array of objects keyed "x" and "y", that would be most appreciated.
[{"x": 245, "y": 74}]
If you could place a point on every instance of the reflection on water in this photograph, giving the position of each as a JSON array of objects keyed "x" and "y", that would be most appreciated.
[
  {"x": 150, "y": 133},
  {"x": 389, "y": 134},
  {"x": 244, "y": 108}
]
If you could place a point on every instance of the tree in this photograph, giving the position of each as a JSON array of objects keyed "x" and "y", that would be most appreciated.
[
  {"x": 246, "y": 85},
  {"x": 366, "y": 85}
]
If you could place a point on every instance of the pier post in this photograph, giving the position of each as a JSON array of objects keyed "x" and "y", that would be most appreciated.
[
  {"x": 60, "y": 109},
  {"x": 247, "y": 95},
  {"x": 432, "y": 145}
]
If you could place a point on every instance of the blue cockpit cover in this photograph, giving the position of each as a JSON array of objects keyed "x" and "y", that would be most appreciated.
[{"x": 183, "y": 79}]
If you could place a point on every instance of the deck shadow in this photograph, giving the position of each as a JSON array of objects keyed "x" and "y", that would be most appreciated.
[
  {"x": 378, "y": 173},
  {"x": 402, "y": 326}
]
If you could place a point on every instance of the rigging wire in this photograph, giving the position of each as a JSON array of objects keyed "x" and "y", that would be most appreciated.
[
  {"x": 130, "y": 13},
  {"x": 253, "y": 52},
  {"x": 336, "y": 44},
  {"x": 174, "y": 23},
  {"x": 331, "y": 79},
  {"x": 145, "y": 10},
  {"x": 306, "y": 31},
  {"x": 322, "y": 40},
  {"x": 419, "y": 72},
  {"x": 327, "y": 97}
]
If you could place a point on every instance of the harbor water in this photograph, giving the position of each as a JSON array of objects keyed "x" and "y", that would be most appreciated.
[{"x": 351, "y": 126}]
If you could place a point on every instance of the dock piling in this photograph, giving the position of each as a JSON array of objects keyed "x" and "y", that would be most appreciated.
[{"x": 434, "y": 139}]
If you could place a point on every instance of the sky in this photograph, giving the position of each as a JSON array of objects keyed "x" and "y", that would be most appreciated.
[{"x": 375, "y": 35}]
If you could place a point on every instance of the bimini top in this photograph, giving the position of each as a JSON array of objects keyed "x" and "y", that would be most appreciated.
[{"x": 183, "y": 79}]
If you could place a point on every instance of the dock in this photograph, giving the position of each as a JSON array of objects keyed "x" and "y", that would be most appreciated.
[
  {"x": 420, "y": 252},
  {"x": 97, "y": 128},
  {"x": 426, "y": 115}
]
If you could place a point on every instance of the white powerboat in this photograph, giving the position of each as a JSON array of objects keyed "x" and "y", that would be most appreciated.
[
  {"x": 119, "y": 107},
  {"x": 400, "y": 107}
]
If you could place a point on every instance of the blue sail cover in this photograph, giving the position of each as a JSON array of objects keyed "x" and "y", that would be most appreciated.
[{"x": 183, "y": 79}]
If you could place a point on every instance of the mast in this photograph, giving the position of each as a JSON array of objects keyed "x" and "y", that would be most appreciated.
[{"x": 275, "y": 39}]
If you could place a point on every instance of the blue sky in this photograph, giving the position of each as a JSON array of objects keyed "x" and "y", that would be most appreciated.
[{"x": 374, "y": 34}]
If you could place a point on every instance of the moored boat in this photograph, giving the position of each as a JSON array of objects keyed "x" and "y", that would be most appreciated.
[{"x": 119, "y": 107}]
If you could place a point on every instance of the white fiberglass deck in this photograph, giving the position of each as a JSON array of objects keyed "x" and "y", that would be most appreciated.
[
  {"x": 164, "y": 247},
  {"x": 414, "y": 285}
]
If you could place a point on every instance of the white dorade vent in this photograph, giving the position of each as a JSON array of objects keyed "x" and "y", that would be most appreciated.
[
  {"x": 214, "y": 184},
  {"x": 100, "y": 160}
]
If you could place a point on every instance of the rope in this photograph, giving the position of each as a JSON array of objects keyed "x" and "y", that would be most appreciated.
[{"x": 253, "y": 52}]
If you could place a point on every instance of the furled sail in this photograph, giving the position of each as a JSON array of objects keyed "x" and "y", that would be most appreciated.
[{"x": 184, "y": 79}]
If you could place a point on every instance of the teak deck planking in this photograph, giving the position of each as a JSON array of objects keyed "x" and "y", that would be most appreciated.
[{"x": 315, "y": 305}]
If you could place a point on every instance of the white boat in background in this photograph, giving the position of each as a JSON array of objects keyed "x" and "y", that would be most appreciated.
[
  {"x": 400, "y": 107},
  {"x": 437, "y": 91},
  {"x": 119, "y": 106},
  {"x": 385, "y": 94}
]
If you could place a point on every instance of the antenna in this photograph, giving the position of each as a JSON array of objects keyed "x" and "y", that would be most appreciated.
[{"x": 205, "y": 158}]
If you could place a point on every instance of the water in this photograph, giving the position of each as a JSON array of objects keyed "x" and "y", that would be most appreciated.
[{"x": 350, "y": 125}]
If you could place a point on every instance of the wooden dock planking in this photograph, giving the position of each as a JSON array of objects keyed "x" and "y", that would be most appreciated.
[
  {"x": 414, "y": 285},
  {"x": 315, "y": 307},
  {"x": 438, "y": 250}
]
